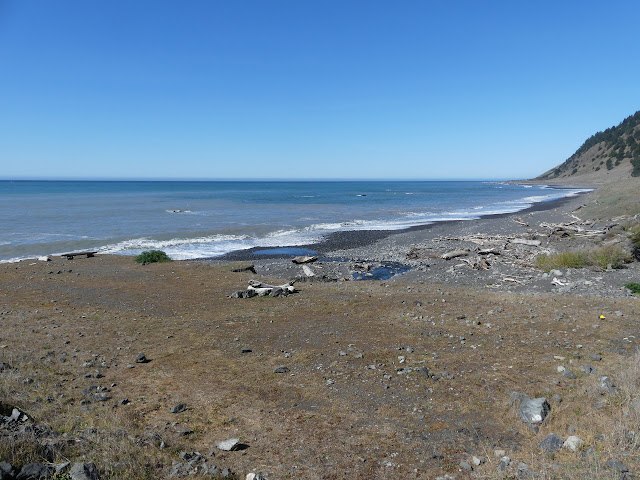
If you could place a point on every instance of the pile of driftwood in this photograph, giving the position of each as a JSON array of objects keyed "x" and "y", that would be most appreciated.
[{"x": 261, "y": 289}]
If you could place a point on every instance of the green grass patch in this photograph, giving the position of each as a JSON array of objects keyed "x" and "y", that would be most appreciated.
[
  {"x": 634, "y": 287},
  {"x": 598, "y": 257},
  {"x": 153, "y": 256}
]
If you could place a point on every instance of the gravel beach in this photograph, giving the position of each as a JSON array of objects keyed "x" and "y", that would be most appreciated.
[{"x": 390, "y": 255}]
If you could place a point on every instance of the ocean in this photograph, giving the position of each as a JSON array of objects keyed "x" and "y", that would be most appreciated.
[{"x": 191, "y": 220}]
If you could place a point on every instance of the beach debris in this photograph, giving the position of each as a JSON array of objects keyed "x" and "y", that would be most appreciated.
[
  {"x": 558, "y": 283},
  {"x": 525, "y": 241},
  {"x": 44, "y": 258},
  {"x": 248, "y": 268},
  {"x": 307, "y": 271},
  {"x": 519, "y": 220},
  {"x": 489, "y": 251},
  {"x": 264, "y": 289},
  {"x": 463, "y": 252},
  {"x": 260, "y": 289},
  {"x": 304, "y": 259}
]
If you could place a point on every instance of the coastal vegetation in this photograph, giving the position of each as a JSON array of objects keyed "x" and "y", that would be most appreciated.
[
  {"x": 152, "y": 256},
  {"x": 611, "y": 148},
  {"x": 601, "y": 258},
  {"x": 634, "y": 287}
]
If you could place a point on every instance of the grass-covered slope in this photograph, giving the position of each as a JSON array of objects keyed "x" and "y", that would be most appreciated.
[{"x": 614, "y": 152}]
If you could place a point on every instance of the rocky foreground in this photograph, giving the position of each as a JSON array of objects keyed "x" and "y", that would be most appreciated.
[{"x": 470, "y": 362}]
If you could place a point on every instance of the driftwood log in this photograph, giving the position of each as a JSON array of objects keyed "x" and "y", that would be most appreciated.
[
  {"x": 455, "y": 253},
  {"x": 524, "y": 241},
  {"x": 304, "y": 259},
  {"x": 261, "y": 289}
]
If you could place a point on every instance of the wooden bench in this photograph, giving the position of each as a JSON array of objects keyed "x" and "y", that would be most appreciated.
[{"x": 75, "y": 254}]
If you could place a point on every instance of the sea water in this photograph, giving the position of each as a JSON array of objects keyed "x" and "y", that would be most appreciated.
[{"x": 191, "y": 220}]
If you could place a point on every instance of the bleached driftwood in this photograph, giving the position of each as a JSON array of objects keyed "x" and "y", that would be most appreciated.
[
  {"x": 455, "y": 253},
  {"x": 307, "y": 271},
  {"x": 304, "y": 259},
  {"x": 488, "y": 251},
  {"x": 524, "y": 241},
  {"x": 261, "y": 289}
]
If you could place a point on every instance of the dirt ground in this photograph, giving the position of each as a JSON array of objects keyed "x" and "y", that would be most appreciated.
[{"x": 385, "y": 380}]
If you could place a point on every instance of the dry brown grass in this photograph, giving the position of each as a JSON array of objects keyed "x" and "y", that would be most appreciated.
[{"x": 331, "y": 416}]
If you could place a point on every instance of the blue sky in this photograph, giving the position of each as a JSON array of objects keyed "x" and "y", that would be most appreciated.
[{"x": 296, "y": 89}]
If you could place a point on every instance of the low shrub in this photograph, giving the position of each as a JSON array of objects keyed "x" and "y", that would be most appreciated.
[
  {"x": 153, "y": 256},
  {"x": 598, "y": 257},
  {"x": 634, "y": 287}
]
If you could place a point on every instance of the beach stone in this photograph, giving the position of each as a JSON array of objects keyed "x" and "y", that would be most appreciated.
[
  {"x": 616, "y": 465},
  {"x": 466, "y": 466},
  {"x": 595, "y": 357},
  {"x": 34, "y": 471},
  {"x": 179, "y": 408},
  {"x": 551, "y": 444},
  {"x": 606, "y": 385},
  {"x": 84, "y": 471},
  {"x": 523, "y": 472},
  {"x": 62, "y": 468},
  {"x": 573, "y": 443},
  {"x": 228, "y": 445},
  {"x": 255, "y": 476},
  {"x": 588, "y": 369},
  {"x": 504, "y": 463},
  {"x": 281, "y": 369},
  {"x": 477, "y": 461},
  {"x": 569, "y": 374},
  {"x": 141, "y": 358},
  {"x": 533, "y": 411},
  {"x": 516, "y": 399},
  {"x": 7, "y": 472}
]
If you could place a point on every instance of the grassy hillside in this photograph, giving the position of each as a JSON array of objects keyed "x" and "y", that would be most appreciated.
[{"x": 606, "y": 156}]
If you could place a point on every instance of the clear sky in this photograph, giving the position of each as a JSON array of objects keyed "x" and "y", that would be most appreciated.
[{"x": 309, "y": 89}]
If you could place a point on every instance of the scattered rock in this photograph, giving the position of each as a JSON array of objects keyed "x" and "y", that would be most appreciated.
[
  {"x": 5, "y": 366},
  {"x": 141, "y": 358},
  {"x": 607, "y": 385},
  {"x": 34, "y": 471},
  {"x": 179, "y": 408},
  {"x": 229, "y": 445},
  {"x": 573, "y": 443},
  {"x": 466, "y": 466},
  {"x": 551, "y": 444},
  {"x": 595, "y": 357},
  {"x": 616, "y": 465},
  {"x": 255, "y": 476},
  {"x": 534, "y": 411},
  {"x": 281, "y": 369},
  {"x": 569, "y": 374},
  {"x": 7, "y": 471},
  {"x": 84, "y": 471}
]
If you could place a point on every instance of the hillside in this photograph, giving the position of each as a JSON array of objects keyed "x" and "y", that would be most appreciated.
[{"x": 607, "y": 156}]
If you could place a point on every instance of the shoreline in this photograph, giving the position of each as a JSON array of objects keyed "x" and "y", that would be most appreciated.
[{"x": 351, "y": 239}]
